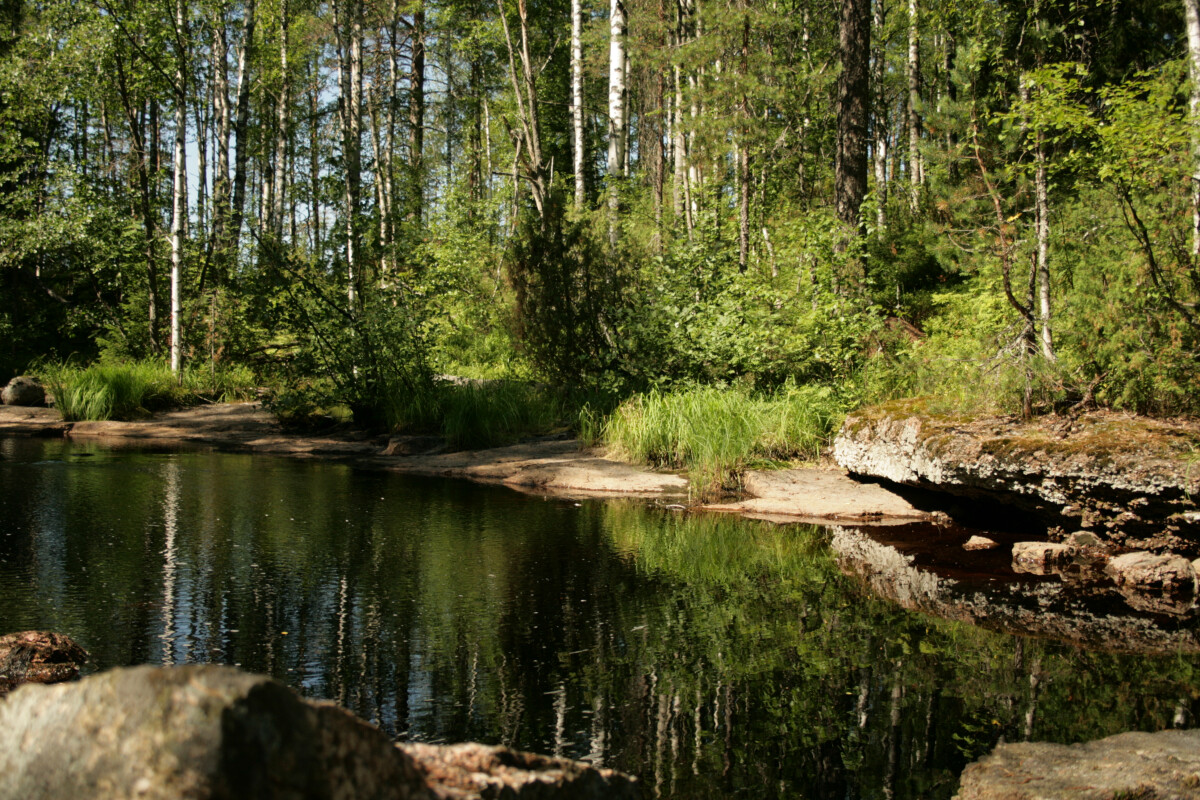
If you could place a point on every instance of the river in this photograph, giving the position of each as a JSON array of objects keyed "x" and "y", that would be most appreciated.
[{"x": 713, "y": 656}]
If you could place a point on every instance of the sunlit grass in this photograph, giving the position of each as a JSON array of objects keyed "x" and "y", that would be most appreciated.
[
  {"x": 716, "y": 433},
  {"x": 126, "y": 390}
]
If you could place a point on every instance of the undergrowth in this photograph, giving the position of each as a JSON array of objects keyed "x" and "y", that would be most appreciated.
[
  {"x": 126, "y": 390},
  {"x": 715, "y": 434}
]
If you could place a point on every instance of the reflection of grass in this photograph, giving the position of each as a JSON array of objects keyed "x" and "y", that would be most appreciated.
[
  {"x": 714, "y": 550},
  {"x": 715, "y": 433}
]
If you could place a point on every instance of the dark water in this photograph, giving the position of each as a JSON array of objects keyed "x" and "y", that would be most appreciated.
[{"x": 710, "y": 655}]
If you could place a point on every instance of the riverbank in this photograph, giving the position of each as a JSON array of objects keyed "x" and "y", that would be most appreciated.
[
  {"x": 1134, "y": 482},
  {"x": 556, "y": 466}
]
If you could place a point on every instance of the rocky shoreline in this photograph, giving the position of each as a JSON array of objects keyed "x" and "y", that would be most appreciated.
[
  {"x": 553, "y": 466},
  {"x": 1132, "y": 481}
]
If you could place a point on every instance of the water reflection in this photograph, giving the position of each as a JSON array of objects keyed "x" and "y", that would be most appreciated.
[{"x": 712, "y": 656}]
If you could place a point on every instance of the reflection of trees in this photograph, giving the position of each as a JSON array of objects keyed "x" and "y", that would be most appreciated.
[{"x": 708, "y": 654}]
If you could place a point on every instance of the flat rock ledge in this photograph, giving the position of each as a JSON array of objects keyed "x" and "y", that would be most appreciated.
[
  {"x": 819, "y": 495},
  {"x": 209, "y": 732},
  {"x": 560, "y": 467},
  {"x": 1133, "y": 481},
  {"x": 1145, "y": 766}
]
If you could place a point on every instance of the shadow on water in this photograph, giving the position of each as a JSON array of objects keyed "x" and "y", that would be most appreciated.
[{"x": 712, "y": 656}]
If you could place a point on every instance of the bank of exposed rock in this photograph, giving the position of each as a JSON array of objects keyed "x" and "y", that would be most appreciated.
[
  {"x": 1134, "y": 481},
  {"x": 1146, "y": 766},
  {"x": 216, "y": 732},
  {"x": 819, "y": 495}
]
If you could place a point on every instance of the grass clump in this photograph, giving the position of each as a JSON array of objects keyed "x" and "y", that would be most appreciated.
[
  {"x": 715, "y": 434},
  {"x": 494, "y": 414},
  {"x": 127, "y": 390}
]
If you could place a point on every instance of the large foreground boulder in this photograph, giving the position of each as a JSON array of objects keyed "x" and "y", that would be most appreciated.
[
  {"x": 23, "y": 391},
  {"x": 1146, "y": 766},
  {"x": 216, "y": 732}
]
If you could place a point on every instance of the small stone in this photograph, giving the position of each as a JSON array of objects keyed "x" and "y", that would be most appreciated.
[
  {"x": 1040, "y": 558},
  {"x": 980, "y": 543},
  {"x": 23, "y": 390},
  {"x": 1084, "y": 540}
]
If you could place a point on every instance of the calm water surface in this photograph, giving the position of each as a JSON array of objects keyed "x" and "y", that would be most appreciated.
[{"x": 712, "y": 656}]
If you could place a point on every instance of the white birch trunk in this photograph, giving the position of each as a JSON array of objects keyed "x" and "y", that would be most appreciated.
[
  {"x": 577, "y": 96},
  {"x": 1042, "y": 202},
  {"x": 1192, "y": 14},
  {"x": 915, "y": 170},
  {"x": 179, "y": 206},
  {"x": 281, "y": 131},
  {"x": 879, "y": 149},
  {"x": 616, "y": 93}
]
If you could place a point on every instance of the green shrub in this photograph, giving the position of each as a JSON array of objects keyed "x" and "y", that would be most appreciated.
[{"x": 716, "y": 433}]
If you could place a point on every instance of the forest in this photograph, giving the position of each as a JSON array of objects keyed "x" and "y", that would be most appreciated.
[{"x": 600, "y": 212}]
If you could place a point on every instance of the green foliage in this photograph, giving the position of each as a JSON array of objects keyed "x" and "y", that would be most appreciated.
[
  {"x": 716, "y": 433},
  {"x": 495, "y": 413},
  {"x": 691, "y": 317},
  {"x": 371, "y": 355},
  {"x": 132, "y": 389},
  {"x": 565, "y": 291}
]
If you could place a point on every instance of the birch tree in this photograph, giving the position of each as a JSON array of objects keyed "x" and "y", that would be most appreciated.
[
  {"x": 1191, "y": 9},
  {"x": 617, "y": 130},
  {"x": 577, "y": 98},
  {"x": 179, "y": 196}
]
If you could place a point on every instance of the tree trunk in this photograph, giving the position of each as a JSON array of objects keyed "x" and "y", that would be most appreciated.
[
  {"x": 915, "y": 171},
  {"x": 1192, "y": 14},
  {"x": 852, "y": 101},
  {"x": 314, "y": 160},
  {"x": 416, "y": 116},
  {"x": 179, "y": 205},
  {"x": 348, "y": 30},
  {"x": 242, "y": 136},
  {"x": 616, "y": 112},
  {"x": 1042, "y": 201},
  {"x": 879, "y": 151},
  {"x": 527, "y": 141},
  {"x": 744, "y": 157},
  {"x": 577, "y": 97},
  {"x": 221, "y": 189},
  {"x": 282, "y": 120}
]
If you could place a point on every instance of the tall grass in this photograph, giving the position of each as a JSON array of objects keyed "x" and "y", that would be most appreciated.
[
  {"x": 477, "y": 414},
  {"x": 716, "y": 433},
  {"x": 126, "y": 390},
  {"x": 496, "y": 414}
]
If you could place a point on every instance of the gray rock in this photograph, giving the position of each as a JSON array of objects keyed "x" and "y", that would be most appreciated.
[
  {"x": 1154, "y": 766},
  {"x": 23, "y": 391},
  {"x": 1085, "y": 540},
  {"x": 209, "y": 732},
  {"x": 1041, "y": 558}
]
